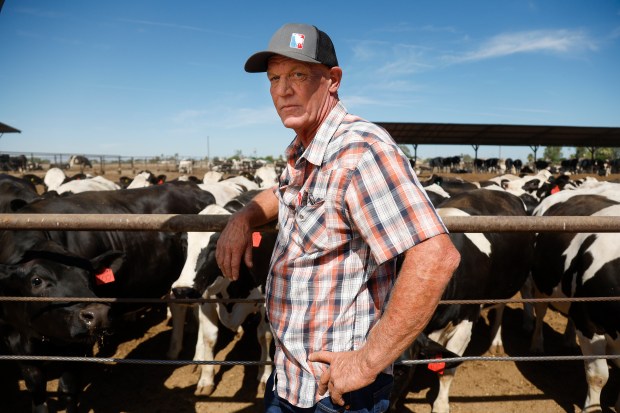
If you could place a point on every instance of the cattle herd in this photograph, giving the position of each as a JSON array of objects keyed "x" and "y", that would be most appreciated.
[
  {"x": 61, "y": 265},
  {"x": 456, "y": 164}
]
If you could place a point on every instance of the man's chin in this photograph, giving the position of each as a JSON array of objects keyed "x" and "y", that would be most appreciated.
[{"x": 291, "y": 122}]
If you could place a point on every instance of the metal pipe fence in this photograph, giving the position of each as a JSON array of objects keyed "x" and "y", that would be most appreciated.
[{"x": 215, "y": 223}]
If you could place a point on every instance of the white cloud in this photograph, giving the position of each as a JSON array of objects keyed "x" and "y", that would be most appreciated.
[
  {"x": 368, "y": 50},
  {"x": 551, "y": 41}
]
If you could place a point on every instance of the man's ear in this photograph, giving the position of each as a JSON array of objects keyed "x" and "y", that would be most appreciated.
[{"x": 335, "y": 75}]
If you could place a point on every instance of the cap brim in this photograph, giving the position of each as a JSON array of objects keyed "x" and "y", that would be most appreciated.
[{"x": 258, "y": 61}]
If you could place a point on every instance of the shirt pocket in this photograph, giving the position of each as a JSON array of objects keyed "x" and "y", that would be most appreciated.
[{"x": 311, "y": 227}]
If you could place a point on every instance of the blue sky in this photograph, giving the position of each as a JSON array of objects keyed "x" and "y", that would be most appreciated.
[{"x": 151, "y": 77}]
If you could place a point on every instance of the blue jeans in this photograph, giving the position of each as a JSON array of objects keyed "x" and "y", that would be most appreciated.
[{"x": 374, "y": 398}]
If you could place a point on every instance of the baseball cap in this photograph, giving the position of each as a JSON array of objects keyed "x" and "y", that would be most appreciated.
[{"x": 296, "y": 41}]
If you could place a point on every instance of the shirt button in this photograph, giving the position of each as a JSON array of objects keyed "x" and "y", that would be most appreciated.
[
  {"x": 301, "y": 216},
  {"x": 347, "y": 407}
]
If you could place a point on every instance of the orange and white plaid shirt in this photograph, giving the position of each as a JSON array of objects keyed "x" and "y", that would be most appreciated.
[{"x": 341, "y": 229}]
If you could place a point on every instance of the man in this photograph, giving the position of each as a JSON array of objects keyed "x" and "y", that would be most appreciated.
[{"x": 348, "y": 204}]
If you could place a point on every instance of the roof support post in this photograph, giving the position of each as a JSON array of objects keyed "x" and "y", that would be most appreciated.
[
  {"x": 475, "y": 155},
  {"x": 592, "y": 149},
  {"x": 534, "y": 149}
]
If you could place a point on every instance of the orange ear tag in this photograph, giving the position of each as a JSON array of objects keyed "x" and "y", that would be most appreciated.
[
  {"x": 256, "y": 238},
  {"x": 437, "y": 367},
  {"x": 105, "y": 277}
]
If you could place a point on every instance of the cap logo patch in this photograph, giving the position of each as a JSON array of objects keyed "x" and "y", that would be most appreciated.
[{"x": 297, "y": 40}]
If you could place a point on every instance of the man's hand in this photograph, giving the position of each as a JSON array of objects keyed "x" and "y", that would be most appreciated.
[
  {"x": 234, "y": 243},
  {"x": 346, "y": 373}
]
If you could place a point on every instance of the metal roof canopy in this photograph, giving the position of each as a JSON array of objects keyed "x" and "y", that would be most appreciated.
[
  {"x": 4, "y": 128},
  {"x": 504, "y": 135}
]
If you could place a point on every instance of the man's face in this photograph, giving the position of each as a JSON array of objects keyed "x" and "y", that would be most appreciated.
[{"x": 300, "y": 92}]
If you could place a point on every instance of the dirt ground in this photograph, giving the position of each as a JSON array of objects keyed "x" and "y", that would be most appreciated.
[{"x": 484, "y": 387}]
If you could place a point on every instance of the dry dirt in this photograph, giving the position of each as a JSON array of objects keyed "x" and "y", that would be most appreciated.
[{"x": 484, "y": 387}]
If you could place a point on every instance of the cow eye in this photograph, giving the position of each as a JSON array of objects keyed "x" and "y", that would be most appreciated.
[{"x": 36, "y": 281}]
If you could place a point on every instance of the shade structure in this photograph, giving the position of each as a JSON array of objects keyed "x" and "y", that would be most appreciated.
[
  {"x": 505, "y": 135},
  {"x": 4, "y": 128}
]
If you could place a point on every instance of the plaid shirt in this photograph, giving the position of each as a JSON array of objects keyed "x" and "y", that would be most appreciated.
[{"x": 341, "y": 228}]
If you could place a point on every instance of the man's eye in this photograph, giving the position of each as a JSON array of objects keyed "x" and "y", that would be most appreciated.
[
  {"x": 299, "y": 76},
  {"x": 274, "y": 79}
]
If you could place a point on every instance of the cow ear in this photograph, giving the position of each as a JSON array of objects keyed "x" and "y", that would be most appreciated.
[
  {"x": 5, "y": 276},
  {"x": 113, "y": 260},
  {"x": 4, "y": 273},
  {"x": 17, "y": 204}
]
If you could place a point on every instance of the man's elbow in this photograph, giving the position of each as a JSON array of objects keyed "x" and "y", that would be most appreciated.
[{"x": 452, "y": 259}]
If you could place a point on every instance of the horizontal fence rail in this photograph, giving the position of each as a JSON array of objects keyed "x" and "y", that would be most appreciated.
[{"x": 215, "y": 223}]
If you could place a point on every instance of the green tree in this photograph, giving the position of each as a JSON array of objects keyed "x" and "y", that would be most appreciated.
[
  {"x": 605, "y": 153},
  {"x": 599, "y": 153},
  {"x": 553, "y": 153}
]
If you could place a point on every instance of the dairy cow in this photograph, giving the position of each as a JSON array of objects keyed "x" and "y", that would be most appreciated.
[
  {"x": 81, "y": 161},
  {"x": 493, "y": 266},
  {"x": 266, "y": 176},
  {"x": 62, "y": 328},
  {"x": 452, "y": 186},
  {"x": 140, "y": 263},
  {"x": 186, "y": 166},
  {"x": 201, "y": 277},
  {"x": 97, "y": 183},
  {"x": 15, "y": 192},
  {"x": 582, "y": 265}
]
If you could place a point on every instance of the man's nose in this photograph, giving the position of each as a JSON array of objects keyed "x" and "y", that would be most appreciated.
[{"x": 283, "y": 86}]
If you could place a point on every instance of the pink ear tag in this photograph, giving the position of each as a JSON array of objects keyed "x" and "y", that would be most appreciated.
[
  {"x": 256, "y": 238},
  {"x": 105, "y": 277}
]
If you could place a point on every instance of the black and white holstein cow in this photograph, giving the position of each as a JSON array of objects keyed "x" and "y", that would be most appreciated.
[
  {"x": 139, "y": 264},
  {"x": 582, "y": 265},
  {"x": 493, "y": 266},
  {"x": 81, "y": 161},
  {"x": 201, "y": 277}
]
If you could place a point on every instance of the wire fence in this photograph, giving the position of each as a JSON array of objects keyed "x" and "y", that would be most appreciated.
[{"x": 214, "y": 223}]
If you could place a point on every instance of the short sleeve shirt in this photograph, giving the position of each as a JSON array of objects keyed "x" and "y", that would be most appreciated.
[{"x": 349, "y": 204}]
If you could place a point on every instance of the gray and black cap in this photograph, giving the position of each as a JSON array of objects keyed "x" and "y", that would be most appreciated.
[{"x": 296, "y": 41}]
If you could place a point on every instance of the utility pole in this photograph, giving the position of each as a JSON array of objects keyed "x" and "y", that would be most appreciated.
[{"x": 208, "y": 152}]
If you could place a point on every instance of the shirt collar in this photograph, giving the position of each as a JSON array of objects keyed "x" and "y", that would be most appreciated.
[{"x": 315, "y": 152}]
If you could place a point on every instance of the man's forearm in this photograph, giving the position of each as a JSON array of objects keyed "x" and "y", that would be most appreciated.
[
  {"x": 261, "y": 210},
  {"x": 425, "y": 272}
]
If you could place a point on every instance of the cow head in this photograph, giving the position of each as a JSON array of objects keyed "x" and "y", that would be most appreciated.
[{"x": 46, "y": 274}]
